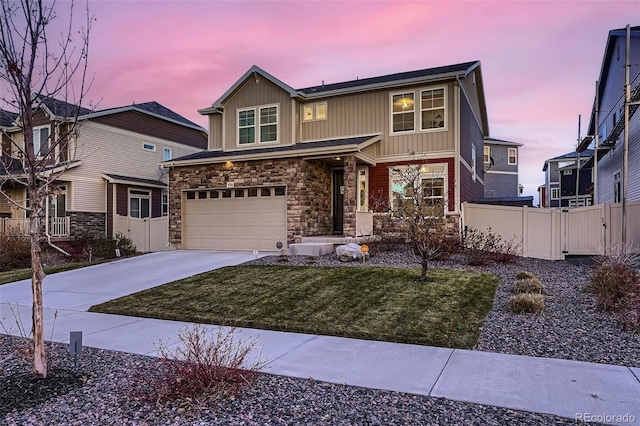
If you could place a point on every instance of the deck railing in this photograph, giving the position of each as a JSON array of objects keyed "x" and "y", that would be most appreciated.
[{"x": 58, "y": 226}]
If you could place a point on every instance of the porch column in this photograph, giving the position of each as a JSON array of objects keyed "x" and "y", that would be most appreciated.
[{"x": 350, "y": 202}]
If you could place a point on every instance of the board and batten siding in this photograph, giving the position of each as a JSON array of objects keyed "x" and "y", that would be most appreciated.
[
  {"x": 470, "y": 91},
  {"x": 253, "y": 94},
  {"x": 215, "y": 134},
  {"x": 104, "y": 149},
  {"x": 369, "y": 113}
]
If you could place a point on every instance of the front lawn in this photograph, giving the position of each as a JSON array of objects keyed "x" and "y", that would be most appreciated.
[
  {"x": 367, "y": 302},
  {"x": 23, "y": 274}
]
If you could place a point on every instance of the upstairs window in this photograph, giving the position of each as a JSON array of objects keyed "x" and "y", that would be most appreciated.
[
  {"x": 486, "y": 156},
  {"x": 432, "y": 109},
  {"x": 41, "y": 142},
  {"x": 148, "y": 147},
  {"x": 312, "y": 112},
  {"x": 555, "y": 193},
  {"x": 513, "y": 156},
  {"x": 473, "y": 161},
  {"x": 166, "y": 154},
  {"x": 402, "y": 115},
  {"x": 258, "y": 125}
]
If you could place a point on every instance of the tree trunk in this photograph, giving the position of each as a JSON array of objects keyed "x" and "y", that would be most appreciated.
[
  {"x": 37, "y": 275},
  {"x": 425, "y": 268}
]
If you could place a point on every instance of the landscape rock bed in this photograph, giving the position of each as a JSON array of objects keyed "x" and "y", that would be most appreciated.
[{"x": 105, "y": 399}]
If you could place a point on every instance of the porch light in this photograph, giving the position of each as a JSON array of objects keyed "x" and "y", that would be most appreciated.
[
  {"x": 228, "y": 165},
  {"x": 338, "y": 158}
]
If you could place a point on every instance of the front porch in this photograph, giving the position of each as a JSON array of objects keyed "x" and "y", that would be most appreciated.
[{"x": 57, "y": 227}]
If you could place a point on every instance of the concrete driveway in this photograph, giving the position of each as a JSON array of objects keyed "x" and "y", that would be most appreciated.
[{"x": 80, "y": 289}]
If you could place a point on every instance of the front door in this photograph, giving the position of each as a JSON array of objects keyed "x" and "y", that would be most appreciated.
[{"x": 338, "y": 200}]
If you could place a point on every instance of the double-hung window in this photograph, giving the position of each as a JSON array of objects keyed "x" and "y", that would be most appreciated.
[
  {"x": 432, "y": 109},
  {"x": 429, "y": 181},
  {"x": 139, "y": 203},
  {"x": 403, "y": 113},
  {"x": 166, "y": 154},
  {"x": 486, "y": 157},
  {"x": 41, "y": 141},
  {"x": 513, "y": 156},
  {"x": 258, "y": 125}
]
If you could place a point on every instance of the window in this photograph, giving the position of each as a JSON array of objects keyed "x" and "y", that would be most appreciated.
[
  {"x": 430, "y": 181},
  {"x": 165, "y": 204},
  {"x": 473, "y": 161},
  {"x": 166, "y": 154},
  {"x": 432, "y": 108},
  {"x": 139, "y": 203},
  {"x": 617, "y": 187},
  {"x": 149, "y": 146},
  {"x": 311, "y": 112},
  {"x": 486, "y": 155},
  {"x": 603, "y": 130},
  {"x": 41, "y": 141},
  {"x": 402, "y": 112},
  {"x": 362, "y": 191},
  {"x": 555, "y": 193},
  {"x": 513, "y": 156},
  {"x": 264, "y": 118}
]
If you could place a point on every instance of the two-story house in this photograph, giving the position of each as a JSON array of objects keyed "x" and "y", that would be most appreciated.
[
  {"x": 562, "y": 180},
  {"x": 607, "y": 120},
  {"x": 284, "y": 164},
  {"x": 112, "y": 166},
  {"x": 500, "y": 159}
]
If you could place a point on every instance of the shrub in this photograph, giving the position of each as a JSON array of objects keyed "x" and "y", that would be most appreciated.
[
  {"x": 388, "y": 242},
  {"x": 527, "y": 285},
  {"x": 15, "y": 251},
  {"x": 629, "y": 317},
  {"x": 105, "y": 248},
  {"x": 482, "y": 248},
  {"x": 613, "y": 283},
  {"x": 526, "y": 303},
  {"x": 212, "y": 365},
  {"x": 525, "y": 274}
]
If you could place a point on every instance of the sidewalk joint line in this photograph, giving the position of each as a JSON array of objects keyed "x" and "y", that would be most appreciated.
[
  {"x": 634, "y": 374},
  {"x": 442, "y": 371},
  {"x": 292, "y": 349}
]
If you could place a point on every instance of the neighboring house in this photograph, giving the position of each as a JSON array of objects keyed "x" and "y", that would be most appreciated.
[
  {"x": 500, "y": 159},
  {"x": 284, "y": 164},
  {"x": 610, "y": 120},
  {"x": 113, "y": 165},
  {"x": 559, "y": 189}
]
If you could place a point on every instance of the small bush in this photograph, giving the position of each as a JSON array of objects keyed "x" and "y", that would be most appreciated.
[
  {"x": 527, "y": 285},
  {"x": 209, "y": 365},
  {"x": 525, "y": 274},
  {"x": 105, "y": 248},
  {"x": 15, "y": 251},
  {"x": 526, "y": 303},
  {"x": 613, "y": 283},
  {"x": 482, "y": 248},
  {"x": 388, "y": 242}
]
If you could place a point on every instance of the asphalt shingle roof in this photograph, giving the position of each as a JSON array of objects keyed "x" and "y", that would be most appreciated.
[
  {"x": 7, "y": 118},
  {"x": 156, "y": 108},
  {"x": 389, "y": 78},
  {"x": 136, "y": 180},
  {"x": 63, "y": 109},
  {"x": 302, "y": 147}
]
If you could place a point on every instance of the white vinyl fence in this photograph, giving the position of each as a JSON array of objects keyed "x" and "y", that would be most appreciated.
[
  {"x": 147, "y": 234},
  {"x": 557, "y": 232}
]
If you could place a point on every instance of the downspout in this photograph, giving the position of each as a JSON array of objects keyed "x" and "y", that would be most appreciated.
[
  {"x": 46, "y": 229},
  {"x": 168, "y": 210}
]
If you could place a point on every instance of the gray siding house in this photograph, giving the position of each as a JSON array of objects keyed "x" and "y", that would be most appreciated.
[
  {"x": 500, "y": 160},
  {"x": 560, "y": 176},
  {"x": 610, "y": 120}
]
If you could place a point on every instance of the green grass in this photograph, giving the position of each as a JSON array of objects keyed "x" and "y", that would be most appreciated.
[
  {"x": 23, "y": 274},
  {"x": 368, "y": 303}
]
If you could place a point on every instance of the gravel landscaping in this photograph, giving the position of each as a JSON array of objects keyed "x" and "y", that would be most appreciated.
[{"x": 99, "y": 390}]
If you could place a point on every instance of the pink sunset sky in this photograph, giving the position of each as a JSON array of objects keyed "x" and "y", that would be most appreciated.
[{"x": 540, "y": 59}]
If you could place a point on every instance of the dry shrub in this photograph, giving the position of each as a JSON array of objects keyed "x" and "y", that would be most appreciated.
[
  {"x": 527, "y": 285},
  {"x": 15, "y": 250},
  {"x": 525, "y": 274},
  {"x": 526, "y": 303},
  {"x": 613, "y": 283},
  {"x": 482, "y": 248},
  {"x": 209, "y": 365}
]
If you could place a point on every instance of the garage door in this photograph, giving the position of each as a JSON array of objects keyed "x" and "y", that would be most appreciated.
[{"x": 236, "y": 219}]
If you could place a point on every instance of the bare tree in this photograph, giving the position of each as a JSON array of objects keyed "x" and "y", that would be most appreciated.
[
  {"x": 41, "y": 64},
  {"x": 418, "y": 203}
]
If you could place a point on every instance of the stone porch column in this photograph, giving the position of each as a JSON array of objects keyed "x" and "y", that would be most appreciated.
[{"x": 350, "y": 202}]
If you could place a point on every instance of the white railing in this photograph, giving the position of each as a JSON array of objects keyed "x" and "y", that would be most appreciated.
[
  {"x": 59, "y": 226},
  {"x": 14, "y": 226}
]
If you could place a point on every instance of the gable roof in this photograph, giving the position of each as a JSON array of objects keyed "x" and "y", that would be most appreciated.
[
  {"x": 606, "y": 62},
  {"x": 7, "y": 118},
  {"x": 568, "y": 156},
  {"x": 152, "y": 108},
  {"x": 351, "y": 86},
  {"x": 493, "y": 141},
  {"x": 58, "y": 108},
  {"x": 331, "y": 146}
]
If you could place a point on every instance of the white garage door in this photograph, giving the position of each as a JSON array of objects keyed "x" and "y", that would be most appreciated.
[{"x": 236, "y": 219}]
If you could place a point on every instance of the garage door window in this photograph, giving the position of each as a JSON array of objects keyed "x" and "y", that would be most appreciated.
[{"x": 139, "y": 203}]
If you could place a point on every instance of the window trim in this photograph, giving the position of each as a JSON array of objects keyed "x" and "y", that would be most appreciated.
[
  {"x": 473, "y": 162},
  {"x": 486, "y": 154},
  {"x": 36, "y": 152},
  {"x": 314, "y": 111},
  {"x": 444, "y": 174},
  {"x": 165, "y": 204},
  {"x": 515, "y": 162},
  {"x": 258, "y": 125},
  {"x": 557, "y": 192},
  {"x": 149, "y": 147},
  {"x": 417, "y": 112},
  {"x": 139, "y": 197},
  {"x": 392, "y": 113},
  {"x": 444, "y": 109},
  {"x": 164, "y": 152}
]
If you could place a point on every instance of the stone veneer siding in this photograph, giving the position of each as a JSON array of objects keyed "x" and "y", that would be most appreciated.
[
  {"x": 308, "y": 191},
  {"x": 350, "y": 202},
  {"x": 87, "y": 225}
]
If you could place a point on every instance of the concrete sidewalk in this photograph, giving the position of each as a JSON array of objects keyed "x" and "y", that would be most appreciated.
[{"x": 593, "y": 392}]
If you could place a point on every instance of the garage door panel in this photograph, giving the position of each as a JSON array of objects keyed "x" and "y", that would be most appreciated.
[{"x": 236, "y": 223}]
